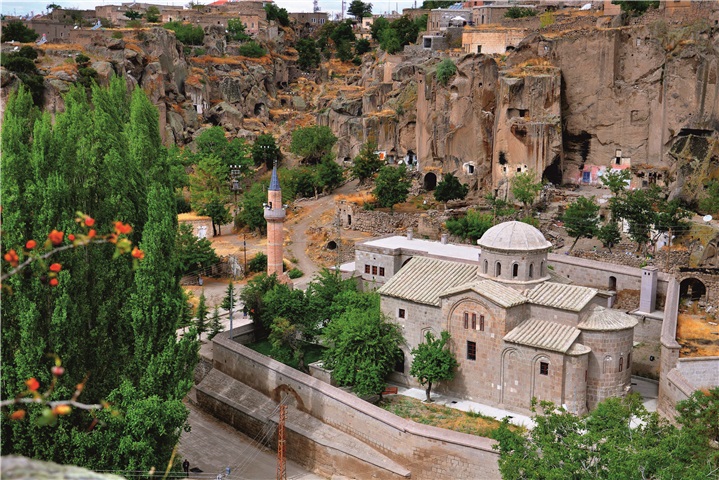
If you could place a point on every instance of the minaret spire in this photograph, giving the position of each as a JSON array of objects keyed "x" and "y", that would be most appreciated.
[{"x": 275, "y": 216}]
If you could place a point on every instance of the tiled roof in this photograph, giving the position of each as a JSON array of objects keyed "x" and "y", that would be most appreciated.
[
  {"x": 543, "y": 334},
  {"x": 601, "y": 319},
  {"x": 578, "y": 349},
  {"x": 556, "y": 295},
  {"x": 557, "y": 278},
  {"x": 496, "y": 292},
  {"x": 424, "y": 279}
]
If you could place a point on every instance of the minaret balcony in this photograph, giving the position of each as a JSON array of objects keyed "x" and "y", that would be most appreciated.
[{"x": 275, "y": 214}]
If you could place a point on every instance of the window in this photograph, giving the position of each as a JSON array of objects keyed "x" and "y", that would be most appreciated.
[
  {"x": 479, "y": 48},
  {"x": 541, "y": 269},
  {"x": 474, "y": 321},
  {"x": 374, "y": 269},
  {"x": 381, "y": 271},
  {"x": 621, "y": 363},
  {"x": 471, "y": 350},
  {"x": 466, "y": 320},
  {"x": 629, "y": 359},
  {"x": 366, "y": 269},
  {"x": 531, "y": 270},
  {"x": 486, "y": 266},
  {"x": 515, "y": 270},
  {"x": 498, "y": 269},
  {"x": 481, "y": 323},
  {"x": 543, "y": 368},
  {"x": 401, "y": 313}
]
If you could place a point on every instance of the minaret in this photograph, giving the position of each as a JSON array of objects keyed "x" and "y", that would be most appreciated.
[{"x": 275, "y": 216}]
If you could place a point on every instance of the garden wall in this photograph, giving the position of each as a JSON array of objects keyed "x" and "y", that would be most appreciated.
[{"x": 427, "y": 452}]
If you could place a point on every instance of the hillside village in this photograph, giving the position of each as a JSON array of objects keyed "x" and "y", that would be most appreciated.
[{"x": 529, "y": 187}]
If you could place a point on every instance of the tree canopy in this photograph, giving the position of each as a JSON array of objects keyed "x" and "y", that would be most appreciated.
[
  {"x": 103, "y": 156},
  {"x": 392, "y": 186},
  {"x": 450, "y": 188},
  {"x": 471, "y": 226},
  {"x": 432, "y": 362},
  {"x": 618, "y": 439},
  {"x": 209, "y": 191},
  {"x": 367, "y": 163},
  {"x": 265, "y": 151},
  {"x": 581, "y": 219},
  {"x": 313, "y": 143},
  {"x": 525, "y": 188},
  {"x": 360, "y": 9},
  {"x": 17, "y": 31}
]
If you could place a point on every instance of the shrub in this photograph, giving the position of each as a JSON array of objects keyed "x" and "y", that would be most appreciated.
[
  {"x": 362, "y": 46},
  {"x": 295, "y": 273},
  {"x": 16, "y": 30},
  {"x": 117, "y": 35},
  {"x": 258, "y": 263},
  {"x": 445, "y": 70},
  {"x": 519, "y": 12},
  {"x": 134, "y": 23},
  {"x": 186, "y": 33},
  {"x": 276, "y": 13},
  {"x": 199, "y": 51},
  {"x": 236, "y": 30},
  {"x": 82, "y": 59},
  {"x": 252, "y": 50}
]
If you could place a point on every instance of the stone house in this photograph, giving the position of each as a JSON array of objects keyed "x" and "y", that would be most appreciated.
[{"x": 518, "y": 330}]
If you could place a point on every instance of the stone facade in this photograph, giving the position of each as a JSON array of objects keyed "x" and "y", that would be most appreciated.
[
  {"x": 516, "y": 336},
  {"x": 492, "y": 41}
]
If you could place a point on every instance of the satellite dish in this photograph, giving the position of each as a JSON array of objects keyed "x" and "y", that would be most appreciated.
[
  {"x": 707, "y": 218},
  {"x": 586, "y": 6}
]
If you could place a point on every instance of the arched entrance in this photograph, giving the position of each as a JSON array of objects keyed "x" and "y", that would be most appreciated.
[
  {"x": 692, "y": 288},
  {"x": 430, "y": 181}
]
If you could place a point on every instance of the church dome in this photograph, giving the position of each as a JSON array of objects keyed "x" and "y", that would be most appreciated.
[{"x": 514, "y": 236}]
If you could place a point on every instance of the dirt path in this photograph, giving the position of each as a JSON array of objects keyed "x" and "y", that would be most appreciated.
[{"x": 311, "y": 212}]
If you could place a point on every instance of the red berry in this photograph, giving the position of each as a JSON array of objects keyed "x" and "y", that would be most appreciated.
[
  {"x": 57, "y": 370},
  {"x": 54, "y": 282}
]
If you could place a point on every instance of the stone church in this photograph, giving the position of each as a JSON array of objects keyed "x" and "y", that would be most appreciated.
[{"x": 518, "y": 329}]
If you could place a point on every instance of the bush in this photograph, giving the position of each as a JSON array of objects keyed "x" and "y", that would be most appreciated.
[
  {"x": 258, "y": 263},
  {"x": 134, "y": 23},
  {"x": 295, "y": 273},
  {"x": 199, "y": 51},
  {"x": 519, "y": 12},
  {"x": 279, "y": 14},
  {"x": 17, "y": 31},
  {"x": 236, "y": 30},
  {"x": 252, "y": 50},
  {"x": 362, "y": 46},
  {"x": 82, "y": 59},
  {"x": 117, "y": 35},
  {"x": 186, "y": 33},
  {"x": 445, "y": 70}
]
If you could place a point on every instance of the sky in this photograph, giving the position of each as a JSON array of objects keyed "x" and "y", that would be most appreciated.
[{"x": 22, "y": 7}]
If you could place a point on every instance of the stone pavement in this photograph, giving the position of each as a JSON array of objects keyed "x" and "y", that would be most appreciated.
[{"x": 212, "y": 445}]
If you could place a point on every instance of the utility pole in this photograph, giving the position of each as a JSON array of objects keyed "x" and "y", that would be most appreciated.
[
  {"x": 281, "y": 470},
  {"x": 244, "y": 244},
  {"x": 232, "y": 306}
]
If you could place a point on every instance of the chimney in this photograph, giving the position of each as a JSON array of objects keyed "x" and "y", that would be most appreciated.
[
  {"x": 410, "y": 234},
  {"x": 444, "y": 238},
  {"x": 648, "y": 293}
]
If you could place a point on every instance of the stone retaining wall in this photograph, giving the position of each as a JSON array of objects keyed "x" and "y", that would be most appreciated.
[{"x": 428, "y": 452}]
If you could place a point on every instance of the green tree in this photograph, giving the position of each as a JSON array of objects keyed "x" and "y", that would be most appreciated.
[
  {"x": 445, "y": 70},
  {"x": 450, "y": 188},
  {"x": 22, "y": 64},
  {"x": 201, "y": 314},
  {"x": 309, "y": 55},
  {"x": 287, "y": 342},
  {"x": 671, "y": 219},
  {"x": 609, "y": 235},
  {"x": 363, "y": 349},
  {"x": 520, "y": 12},
  {"x": 344, "y": 51},
  {"x": 102, "y": 155},
  {"x": 638, "y": 208},
  {"x": 324, "y": 293},
  {"x": 251, "y": 211},
  {"x": 359, "y": 9},
  {"x": 636, "y": 7},
  {"x": 471, "y": 226},
  {"x": 378, "y": 26},
  {"x": 389, "y": 41},
  {"x": 701, "y": 412},
  {"x": 133, "y": 14},
  {"x": 406, "y": 30},
  {"x": 500, "y": 208},
  {"x": 618, "y": 439},
  {"x": 367, "y": 163},
  {"x": 432, "y": 4},
  {"x": 53, "y": 6},
  {"x": 525, "y": 188},
  {"x": 152, "y": 14},
  {"x": 230, "y": 300},
  {"x": 276, "y": 13},
  {"x": 193, "y": 252},
  {"x": 581, "y": 219},
  {"x": 343, "y": 32},
  {"x": 215, "y": 324},
  {"x": 392, "y": 186},
  {"x": 236, "y": 30},
  {"x": 709, "y": 201},
  {"x": 432, "y": 362},
  {"x": 329, "y": 175},
  {"x": 17, "y": 31},
  {"x": 253, "y": 293},
  {"x": 186, "y": 33},
  {"x": 616, "y": 181},
  {"x": 209, "y": 190},
  {"x": 313, "y": 143},
  {"x": 265, "y": 151},
  {"x": 362, "y": 46}
]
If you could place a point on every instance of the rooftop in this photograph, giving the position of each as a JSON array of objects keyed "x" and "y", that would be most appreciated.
[
  {"x": 429, "y": 247},
  {"x": 514, "y": 236},
  {"x": 543, "y": 334},
  {"x": 563, "y": 296},
  {"x": 504, "y": 296},
  {"x": 603, "y": 319},
  {"x": 424, "y": 279}
]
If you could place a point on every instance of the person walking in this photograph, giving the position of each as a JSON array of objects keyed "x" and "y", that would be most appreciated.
[{"x": 186, "y": 467}]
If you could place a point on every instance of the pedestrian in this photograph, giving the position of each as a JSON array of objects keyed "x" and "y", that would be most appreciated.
[{"x": 186, "y": 467}]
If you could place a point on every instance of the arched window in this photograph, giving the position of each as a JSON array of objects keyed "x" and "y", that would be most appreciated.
[
  {"x": 541, "y": 269},
  {"x": 531, "y": 270},
  {"x": 515, "y": 270},
  {"x": 498, "y": 269},
  {"x": 607, "y": 367},
  {"x": 486, "y": 266},
  {"x": 621, "y": 363},
  {"x": 629, "y": 359}
]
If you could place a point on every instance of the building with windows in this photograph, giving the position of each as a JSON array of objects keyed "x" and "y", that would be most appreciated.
[{"x": 518, "y": 329}]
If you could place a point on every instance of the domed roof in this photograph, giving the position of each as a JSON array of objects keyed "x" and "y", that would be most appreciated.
[{"x": 514, "y": 236}]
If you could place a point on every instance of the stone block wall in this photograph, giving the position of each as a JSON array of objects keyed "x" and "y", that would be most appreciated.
[
  {"x": 608, "y": 373},
  {"x": 428, "y": 452}
]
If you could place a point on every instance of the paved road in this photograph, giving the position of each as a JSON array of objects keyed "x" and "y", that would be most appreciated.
[{"x": 211, "y": 446}]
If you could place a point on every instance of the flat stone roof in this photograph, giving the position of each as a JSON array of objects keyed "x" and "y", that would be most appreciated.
[{"x": 429, "y": 247}]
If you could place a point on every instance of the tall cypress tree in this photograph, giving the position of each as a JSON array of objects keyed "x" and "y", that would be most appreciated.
[{"x": 104, "y": 319}]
